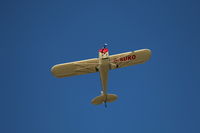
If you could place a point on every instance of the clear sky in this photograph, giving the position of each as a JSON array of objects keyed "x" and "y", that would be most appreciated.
[{"x": 160, "y": 96}]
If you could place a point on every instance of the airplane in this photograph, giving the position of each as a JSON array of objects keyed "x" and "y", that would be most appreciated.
[{"x": 103, "y": 64}]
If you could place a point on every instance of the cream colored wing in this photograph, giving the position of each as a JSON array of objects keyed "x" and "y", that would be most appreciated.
[
  {"x": 129, "y": 58},
  {"x": 75, "y": 68}
]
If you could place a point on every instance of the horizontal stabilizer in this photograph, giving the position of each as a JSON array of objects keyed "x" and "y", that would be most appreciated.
[{"x": 104, "y": 98}]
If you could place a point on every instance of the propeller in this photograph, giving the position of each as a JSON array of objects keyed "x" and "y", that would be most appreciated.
[{"x": 105, "y": 45}]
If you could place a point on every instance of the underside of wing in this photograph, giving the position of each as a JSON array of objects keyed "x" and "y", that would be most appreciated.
[
  {"x": 75, "y": 68},
  {"x": 129, "y": 58}
]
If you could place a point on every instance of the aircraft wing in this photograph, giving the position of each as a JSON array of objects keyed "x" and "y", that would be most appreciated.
[
  {"x": 75, "y": 68},
  {"x": 129, "y": 58}
]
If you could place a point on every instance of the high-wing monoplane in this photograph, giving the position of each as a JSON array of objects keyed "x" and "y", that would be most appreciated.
[{"x": 103, "y": 64}]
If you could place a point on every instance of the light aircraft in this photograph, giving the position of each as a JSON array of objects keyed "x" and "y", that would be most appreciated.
[{"x": 103, "y": 64}]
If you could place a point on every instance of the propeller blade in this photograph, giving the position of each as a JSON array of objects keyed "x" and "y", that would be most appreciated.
[{"x": 105, "y": 45}]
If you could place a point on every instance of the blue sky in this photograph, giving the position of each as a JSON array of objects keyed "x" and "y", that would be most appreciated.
[{"x": 160, "y": 96}]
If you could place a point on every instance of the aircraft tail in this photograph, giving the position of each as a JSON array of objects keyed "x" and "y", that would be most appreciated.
[{"x": 104, "y": 98}]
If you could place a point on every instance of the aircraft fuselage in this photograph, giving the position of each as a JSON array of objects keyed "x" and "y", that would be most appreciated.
[{"x": 104, "y": 66}]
